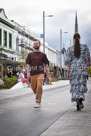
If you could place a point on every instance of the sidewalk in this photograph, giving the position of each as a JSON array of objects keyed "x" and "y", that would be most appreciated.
[
  {"x": 70, "y": 121},
  {"x": 8, "y": 94},
  {"x": 73, "y": 122}
]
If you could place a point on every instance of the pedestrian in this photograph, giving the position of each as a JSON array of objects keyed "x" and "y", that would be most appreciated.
[
  {"x": 62, "y": 73},
  {"x": 35, "y": 70},
  {"x": 22, "y": 78},
  {"x": 78, "y": 59},
  {"x": 9, "y": 74}
]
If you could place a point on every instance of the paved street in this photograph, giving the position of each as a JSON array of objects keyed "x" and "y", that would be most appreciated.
[{"x": 56, "y": 117}]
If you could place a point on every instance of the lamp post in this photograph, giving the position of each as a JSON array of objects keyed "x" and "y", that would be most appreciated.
[
  {"x": 61, "y": 46},
  {"x": 44, "y": 29}
]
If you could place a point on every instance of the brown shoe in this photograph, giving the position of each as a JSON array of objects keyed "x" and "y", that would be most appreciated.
[
  {"x": 81, "y": 105},
  {"x": 78, "y": 106}
]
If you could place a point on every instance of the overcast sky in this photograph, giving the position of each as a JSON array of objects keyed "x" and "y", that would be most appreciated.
[{"x": 30, "y": 14}]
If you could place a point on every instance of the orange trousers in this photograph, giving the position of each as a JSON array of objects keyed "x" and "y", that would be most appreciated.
[{"x": 36, "y": 85}]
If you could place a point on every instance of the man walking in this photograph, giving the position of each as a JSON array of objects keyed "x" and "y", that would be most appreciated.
[{"x": 36, "y": 61}]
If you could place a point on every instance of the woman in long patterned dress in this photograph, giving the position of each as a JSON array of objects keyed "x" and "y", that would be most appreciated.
[{"x": 78, "y": 59}]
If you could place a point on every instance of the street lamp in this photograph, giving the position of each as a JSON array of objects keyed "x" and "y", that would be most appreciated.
[
  {"x": 44, "y": 29},
  {"x": 61, "y": 46}
]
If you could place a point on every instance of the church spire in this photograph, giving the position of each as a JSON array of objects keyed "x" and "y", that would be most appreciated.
[{"x": 76, "y": 24}]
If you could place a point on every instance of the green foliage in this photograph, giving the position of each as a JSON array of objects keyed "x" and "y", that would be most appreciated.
[
  {"x": 54, "y": 79},
  {"x": 9, "y": 82},
  {"x": 51, "y": 74}
]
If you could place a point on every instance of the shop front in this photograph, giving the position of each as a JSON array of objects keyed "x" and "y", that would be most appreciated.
[{"x": 7, "y": 64}]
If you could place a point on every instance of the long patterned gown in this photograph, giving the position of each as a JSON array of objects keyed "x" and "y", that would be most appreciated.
[{"x": 78, "y": 72}]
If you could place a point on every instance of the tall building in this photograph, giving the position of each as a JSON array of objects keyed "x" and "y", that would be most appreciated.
[{"x": 76, "y": 23}]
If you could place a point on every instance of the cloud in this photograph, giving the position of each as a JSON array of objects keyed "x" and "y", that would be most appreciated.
[
  {"x": 65, "y": 20},
  {"x": 30, "y": 14}
]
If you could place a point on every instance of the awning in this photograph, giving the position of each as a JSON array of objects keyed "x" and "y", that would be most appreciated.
[
  {"x": 2, "y": 55},
  {"x": 10, "y": 62}
]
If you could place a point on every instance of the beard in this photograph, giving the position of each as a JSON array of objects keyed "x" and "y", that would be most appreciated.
[{"x": 36, "y": 48}]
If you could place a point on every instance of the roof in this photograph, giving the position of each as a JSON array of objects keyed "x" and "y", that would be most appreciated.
[
  {"x": 4, "y": 19},
  {"x": 3, "y": 12}
]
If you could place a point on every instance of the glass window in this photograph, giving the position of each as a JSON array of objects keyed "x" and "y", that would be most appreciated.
[
  {"x": 10, "y": 41},
  {"x": 5, "y": 38}
]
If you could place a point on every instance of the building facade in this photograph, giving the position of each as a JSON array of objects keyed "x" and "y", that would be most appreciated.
[{"x": 16, "y": 41}]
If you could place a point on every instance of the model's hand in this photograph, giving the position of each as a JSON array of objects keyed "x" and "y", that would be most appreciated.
[{"x": 67, "y": 75}]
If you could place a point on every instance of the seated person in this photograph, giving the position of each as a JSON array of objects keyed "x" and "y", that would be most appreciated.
[{"x": 22, "y": 78}]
